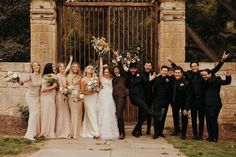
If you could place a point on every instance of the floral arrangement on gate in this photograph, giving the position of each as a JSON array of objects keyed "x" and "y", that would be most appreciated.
[
  {"x": 100, "y": 45},
  {"x": 92, "y": 85},
  {"x": 69, "y": 90},
  {"x": 50, "y": 78},
  {"x": 126, "y": 57},
  {"x": 12, "y": 77}
]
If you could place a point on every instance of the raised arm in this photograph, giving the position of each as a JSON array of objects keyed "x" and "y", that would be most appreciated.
[
  {"x": 21, "y": 82},
  {"x": 101, "y": 68},
  {"x": 69, "y": 64},
  {"x": 220, "y": 64}
]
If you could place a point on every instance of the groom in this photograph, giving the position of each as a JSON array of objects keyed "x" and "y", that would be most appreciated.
[{"x": 135, "y": 84}]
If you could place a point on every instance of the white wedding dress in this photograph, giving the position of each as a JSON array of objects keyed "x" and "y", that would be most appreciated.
[{"x": 106, "y": 110}]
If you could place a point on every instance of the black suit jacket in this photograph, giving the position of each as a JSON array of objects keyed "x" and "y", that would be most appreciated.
[
  {"x": 135, "y": 84},
  {"x": 212, "y": 91},
  {"x": 147, "y": 85},
  {"x": 181, "y": 93},
  {"x": 161, "y": 90}
]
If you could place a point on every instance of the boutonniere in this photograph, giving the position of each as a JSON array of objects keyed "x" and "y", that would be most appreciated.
[
  {"x": 137, "y": 75},
  {"x": 167, "y": 80},
  {"x": 181, "y": 84},
  {"x": 117, "y": 75}
]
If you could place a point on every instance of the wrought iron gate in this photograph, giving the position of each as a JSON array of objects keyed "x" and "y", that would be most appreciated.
[{"x": 126, "y": 24}]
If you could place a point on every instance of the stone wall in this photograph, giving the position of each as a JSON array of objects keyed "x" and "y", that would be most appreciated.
[{"x": 12, "y": 94}]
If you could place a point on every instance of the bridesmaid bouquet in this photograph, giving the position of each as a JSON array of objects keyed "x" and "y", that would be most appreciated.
[
  {"x": 50, "y": 78},
  {"x": 92, "y": 86},
  {"x": 12, "y": 77},
  {"x": 66, "y": 91},
  {"x": 100, "y": 45}
]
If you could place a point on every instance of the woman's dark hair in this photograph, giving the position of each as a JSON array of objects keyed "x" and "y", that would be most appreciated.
[
  {"x": 207, "y": 70},
  {"x": 48, "y": 69},
  {"x": 113, "y": 68},
  {"x": 194, "y": 62}
]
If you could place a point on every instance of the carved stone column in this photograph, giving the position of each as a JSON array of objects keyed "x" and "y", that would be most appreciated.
[
  {"x": 43, "y": 31},
  {"x": 171, "y": 34}
]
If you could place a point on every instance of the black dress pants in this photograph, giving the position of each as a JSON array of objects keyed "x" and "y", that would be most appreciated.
[
  {"x": 184, "y": 119},
  {"x": 198, "y": 110},
  {"x": 212, "y": 114}
]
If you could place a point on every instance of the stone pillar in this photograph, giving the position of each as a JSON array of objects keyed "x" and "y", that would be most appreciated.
[
  {"x": 171, "y": 31},
  {"x": 43, "y": 31}
]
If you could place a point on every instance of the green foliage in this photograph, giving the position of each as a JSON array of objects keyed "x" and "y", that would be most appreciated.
[
  {"x": 215, "y": 26},
  {"x": 24, "y": 113},
  {"x": 15, "y": 30},
  {"x": 13, "y": 146},
  {"x": 193, "y": 148}
]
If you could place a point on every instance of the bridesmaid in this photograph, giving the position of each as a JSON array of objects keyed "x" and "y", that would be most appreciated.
[
  {"x": 48, "y": 106},
  {"x": 32, "y": 98},
  {"x": 76, "y": 106},
  {"x": 90, "y": 125},
  {"x": 63, "y": 122}
]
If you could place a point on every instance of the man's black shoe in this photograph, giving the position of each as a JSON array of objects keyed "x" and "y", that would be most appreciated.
[
  {"x": 183, "y": 137},
  {"x": 200, "y": 138},
  {"x": 122, "y": 136},
  {"x": 195, "y": 138},
  {"x": 155, "y": 136},
  {"x": 162, "y": 135},
  {"x": 136, "y": 133},
  {"x": 175, "y": 133}
]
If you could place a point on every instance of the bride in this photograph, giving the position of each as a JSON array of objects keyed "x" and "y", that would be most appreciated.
[{"x": 107, "y": 121}]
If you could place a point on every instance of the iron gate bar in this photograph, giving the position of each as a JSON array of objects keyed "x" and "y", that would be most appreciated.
[{"x": 106, "y": 4}]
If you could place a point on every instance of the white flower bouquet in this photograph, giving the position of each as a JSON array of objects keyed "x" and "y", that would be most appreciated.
[
  {"x": 12, "y": 77},
  {"x": 50, "y": 78},
  {"x": 100, "y": 45},
  {"x": 66, "y": 91},
  {"x": 92, "y": 86},
  {"x": 116, "y": 57}
]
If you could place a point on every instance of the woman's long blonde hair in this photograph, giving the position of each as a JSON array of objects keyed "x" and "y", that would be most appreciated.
[
  {"x": 32, "y": 70},
  {"x": 86, "y": 68},
  {"x": 79, "y": 71}
]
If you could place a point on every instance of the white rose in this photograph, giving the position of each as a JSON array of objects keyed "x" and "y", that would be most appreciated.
[
  {"x": 15, "y": 76},
  {"x": 81, "y": 96}
]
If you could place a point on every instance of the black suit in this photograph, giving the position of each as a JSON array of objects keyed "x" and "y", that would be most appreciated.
[
  {"x": 135, "y": 84},
  {"x": 197, "y": 102},
  {"x": 214, "y": 104},
  {"x": 148, "y": 95},
  {"x": 161, "y": 100},
  {"x": 181, "y": 97}
]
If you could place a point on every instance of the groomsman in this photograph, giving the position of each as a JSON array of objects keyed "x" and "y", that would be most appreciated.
[
  {"x": 135, "y": 84},
  {"x": 145, "y": 74},
  {"x": 213, "y": 101},
  {"x": 119, "y": 94},
  {"x": 161, "y": 100},
  {"x": 197, "y": 102},
  {"x": 180, "y": 100}
]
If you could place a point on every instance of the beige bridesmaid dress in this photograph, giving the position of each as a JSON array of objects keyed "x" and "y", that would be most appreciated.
[
  {"x": 76, "y": 107},
  {"x": 63, "y": 122},
  {"x": 48, "y": 111},
  {"x": 32, "y": 98}
]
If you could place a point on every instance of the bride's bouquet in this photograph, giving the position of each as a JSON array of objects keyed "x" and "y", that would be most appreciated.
[
  {"x": 100, "y": 45},
  {"x": 92, "y": 85},
  {"x": 12, "y": 77},
  {"x": 50, "y": 78}
]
